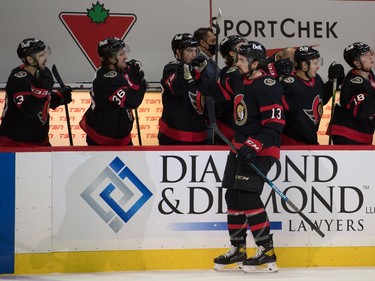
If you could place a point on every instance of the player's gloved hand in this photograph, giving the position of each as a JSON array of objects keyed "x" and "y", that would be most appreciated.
[
  {"x": 280, "y": 67},
  {"x": 189, "y": 73},
  {"x": 66, "y": 94},
  {"x": 200, "y": 63},
  {"x": 249, "y": 150},
  {"x": 134, "y": 74},
  {"x": 42, "y": 82},
  {"x": 336, "y": 71}
]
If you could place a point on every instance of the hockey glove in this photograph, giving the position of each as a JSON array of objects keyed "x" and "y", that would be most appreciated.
[
  {"x": 199, "y": 63},
  {"x": 133, "y": 62},
  {"x": 134, "y": 75},
  {"x": 42, "y": 81},
  {"x": 336, "y": 71},
  {"x": 189, "y": 73},
  {"x": 280, "y": 67},
  {"x": 249, "y": 150},
  {"x": 66, "y": 94}
]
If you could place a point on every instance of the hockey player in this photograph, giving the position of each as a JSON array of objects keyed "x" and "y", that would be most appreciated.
[
  {"x": 119, "y": 87},
  {"x": 29, "y": 95},
  {"x": 183, "y": 120},
  {"x": 229, "y": 78},
  {"x": 304, "y": 97},
  {"x": 259, "y": 120},
  {"x": 353, "y": 116},
  {"x": 279, "y": 65}
]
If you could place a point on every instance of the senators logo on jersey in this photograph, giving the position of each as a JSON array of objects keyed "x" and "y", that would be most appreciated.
[
  {"x": 110, "y": 74},
  {"x": 20, "y": 74},
  {"x": 240, "y": 110},
  {"x": 357, "y": 80},
  {"x": 316, "y": 110}
]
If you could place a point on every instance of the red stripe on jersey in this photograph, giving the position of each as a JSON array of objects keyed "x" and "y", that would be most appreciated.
[
  {"x": 351, "y": 134},
  {"x": 169, "y": 81},
  {"x": 260, "y": 226},
  {"x": 102, "y": 140},
  {"x": 237, "y": 226},
  {"x": 286, "y": 140},
  {"x": 285, "y": 103},
  {"x": 235, "y": 212},
  {"x": 224, "y": 90},
  {"x": 270, "y": 107},
  {"x": 254, "y": 212},
  {"x": 181, "y": 135},
  {"x": 226, "y": 130},
  {"x": 5, "y": 141},
  {"x": 273, "y": 120},
  {"x": 272, "y": 151}
]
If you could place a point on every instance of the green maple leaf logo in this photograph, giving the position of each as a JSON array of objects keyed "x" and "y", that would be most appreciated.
[{"x": 97, "y": 13}]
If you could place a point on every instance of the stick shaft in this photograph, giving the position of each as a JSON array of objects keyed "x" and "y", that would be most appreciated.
[
  {"x": 138, "y": 128},
  {"x": 334, "y": 86},
  {"x": 61, "y": 83}
]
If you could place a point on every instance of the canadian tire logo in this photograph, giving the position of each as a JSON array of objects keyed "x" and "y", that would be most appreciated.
[{"x": 88, "y": 28}]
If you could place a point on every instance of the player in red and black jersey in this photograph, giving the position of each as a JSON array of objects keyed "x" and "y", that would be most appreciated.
[
  {"x": 353, "y": 117},
  {"x": 119, "y": 87},
  {"x": 183, "y": 120},
  {"x": 258, "y": 123},
  {"x": 304, "y": 97},
  {"x": 276, "y": 66},
  {"x": 29, "y": 95}
]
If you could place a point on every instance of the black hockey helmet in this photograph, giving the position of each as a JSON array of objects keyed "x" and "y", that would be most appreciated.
[
  {"x": 229, "y": 43},
  {"x": 110, "y": 46},
  {"x": 253, "y": 51},
  {"x": 305, "y": 54},
  {"x": 183, "y": 41},
  {"x": 354, "y": 51},
  {"x": 29, "y": 47}
]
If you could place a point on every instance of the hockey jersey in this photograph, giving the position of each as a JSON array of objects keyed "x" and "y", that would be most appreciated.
[
  {"x": 182, "y": 120},
  {"x": 259, "y": 114},
  {"x": 25, "y": 119},
  {"x": 109, "y": 120},
  {"x": 353, "y": 116},
  {"x": 303, "y": 104}
]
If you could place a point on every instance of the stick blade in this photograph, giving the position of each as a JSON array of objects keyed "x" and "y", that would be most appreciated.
[{"x": 219, "y": 16}]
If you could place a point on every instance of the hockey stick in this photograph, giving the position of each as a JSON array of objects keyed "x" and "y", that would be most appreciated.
[
  {"x": 333, "y": 103},
  {"x": 61, "y": 83},
  {"x": 138, "y": 129},
  {"x": 211, "y": 115},
  {"x": 217, "y": 32}
]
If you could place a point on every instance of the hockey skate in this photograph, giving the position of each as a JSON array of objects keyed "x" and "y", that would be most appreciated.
[
  {"x": 231, "y": 260},
  {"x": 263, "y": 261}
]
